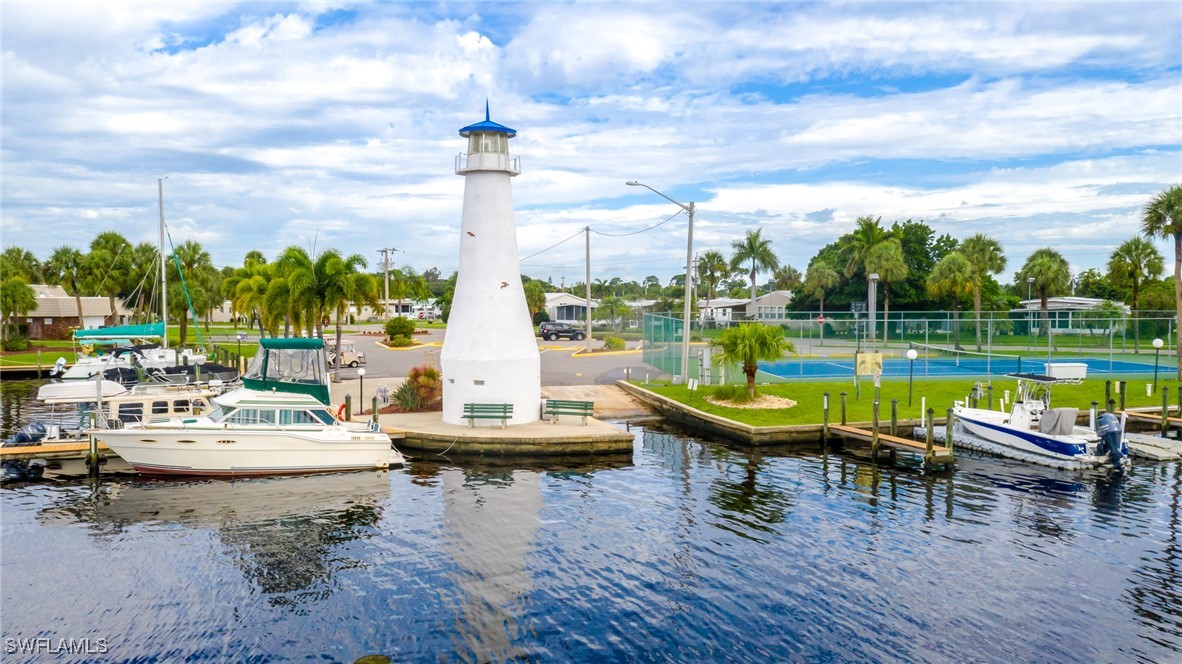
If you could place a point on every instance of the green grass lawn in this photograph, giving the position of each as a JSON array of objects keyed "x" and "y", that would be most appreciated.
[{"x": 940, "y": 393}]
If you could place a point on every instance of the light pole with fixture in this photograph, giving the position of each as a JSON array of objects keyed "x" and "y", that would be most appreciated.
[
  {"x": 1157, "y": 344},
  {"x": 872, "y": 298},
  {"x": 361, "y": 388},
  {"x": 911, "y": 355},
  {"x": 1029, "y": 322},
  {"x": 240, "y": 336},
  {"x": 689, "y": 258}
]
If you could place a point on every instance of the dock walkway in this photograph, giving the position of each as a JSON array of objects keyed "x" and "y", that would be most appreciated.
[{"x": 937, "y": 454}]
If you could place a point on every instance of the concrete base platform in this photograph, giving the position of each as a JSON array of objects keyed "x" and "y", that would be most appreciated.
[{"x": 427, "y": 432}]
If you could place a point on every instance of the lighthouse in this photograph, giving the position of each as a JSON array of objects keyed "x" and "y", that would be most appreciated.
[{"x": 489, "y": 352}]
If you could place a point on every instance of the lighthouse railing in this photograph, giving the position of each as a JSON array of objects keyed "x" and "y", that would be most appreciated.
[{"x": 487, "y": 161}]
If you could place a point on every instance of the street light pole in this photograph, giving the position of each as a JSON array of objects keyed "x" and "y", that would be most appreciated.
[
  {"x": 911, "y": 355},
  {"x": 1029, "y": 326},
  {"x": 1157, "y": 344},
  {"x": 689, "y": 257}
]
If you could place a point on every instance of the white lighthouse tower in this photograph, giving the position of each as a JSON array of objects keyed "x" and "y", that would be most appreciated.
[{"x": 489, "y": 352}]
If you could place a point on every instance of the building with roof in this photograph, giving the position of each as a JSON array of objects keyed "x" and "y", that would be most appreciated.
[{"x": 56, "y": 314}]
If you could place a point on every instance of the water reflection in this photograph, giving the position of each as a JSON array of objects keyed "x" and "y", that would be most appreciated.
[{"x": 289, "y": 536}]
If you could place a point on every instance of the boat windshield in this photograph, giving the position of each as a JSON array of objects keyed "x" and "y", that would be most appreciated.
[
  {"x": 295, "y": 365},
  {"x": 218, "y": 413}
]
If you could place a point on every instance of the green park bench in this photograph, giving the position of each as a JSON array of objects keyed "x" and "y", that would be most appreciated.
[
  {"x": 556, "y": 407},
  {"x": 488, "y": 411}
]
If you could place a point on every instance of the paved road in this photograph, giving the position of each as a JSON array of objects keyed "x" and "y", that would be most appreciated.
[{"x": 558, "y": 365}]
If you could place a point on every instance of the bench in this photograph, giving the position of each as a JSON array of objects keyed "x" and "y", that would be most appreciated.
[
  {"x": 556, "y": 407},
  {"x": 488, "y": 411}
]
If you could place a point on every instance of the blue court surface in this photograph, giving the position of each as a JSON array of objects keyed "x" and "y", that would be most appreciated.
[{"x": 839, "y": 367}]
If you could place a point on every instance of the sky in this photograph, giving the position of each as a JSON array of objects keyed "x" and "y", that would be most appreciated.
[{"x": 335, "y": 125}]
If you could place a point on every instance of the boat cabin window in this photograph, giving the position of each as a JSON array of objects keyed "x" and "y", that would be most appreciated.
[
  {"x": 252, "y": 416},
  {"x": 160, "y": 408},
  {"x": 324, "y": 416},
  {"x": 296, "y": 417},
  {"x": 130, "y": 412}
]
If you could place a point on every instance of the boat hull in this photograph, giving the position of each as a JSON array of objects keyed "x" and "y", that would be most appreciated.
[
  {"x": 242, "y": 452},
  {"x": 1055, "y": 450}
]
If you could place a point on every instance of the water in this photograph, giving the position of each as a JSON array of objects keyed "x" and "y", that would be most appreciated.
[{"x": 685, "y": 550}]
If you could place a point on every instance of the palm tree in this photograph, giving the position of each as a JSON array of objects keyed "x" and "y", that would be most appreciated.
[
  {"x": 110, "y": 256},
  {"x": 613, "y": 310},
  {"x": 952, "y": 277},
  {"x": 66, "y": 266},
  {"x": 345, "y": 283},
  {"x": 535, "y": 297},
  {"x": 786, "y": 278},
  {"x": 757, "y": 250},
  {"x": 1051, "y": 276},
  {"x": 985, "y": 258},
  {"x": 195, "y": 266},
  {"x": 18, "y": 262},
  {"x": 1163, "y": 218},
  {"x": 886, "y": 259},
  {"x": 141, "y": 277},
  {"x": 712, "y": 268},
  {"x": 16, "y": 299},
  {"x": 819, "y": 278},
  {"x": 317, "y": 287},
  {"x": 1132, "y": 262},
  {"x": 749, "y": 343},
  {"x": 866, "y": 235}
]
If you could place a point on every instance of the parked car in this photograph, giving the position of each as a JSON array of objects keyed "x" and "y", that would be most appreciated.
[{"x": 553, "y": 331}]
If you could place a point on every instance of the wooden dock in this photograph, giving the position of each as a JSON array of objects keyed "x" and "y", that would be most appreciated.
[
  {"x": 1152, "y": 417},
  {"x": 937, "y": 454},
  {"x": 52, "y": 451}
]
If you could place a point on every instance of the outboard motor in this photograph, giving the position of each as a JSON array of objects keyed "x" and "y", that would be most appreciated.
[
  {"x": 15, "y": 470},
  {"x": 1110, "y": 439},
  {"x": 58, "y": 367},
  {"x": 30, "y": 434}
]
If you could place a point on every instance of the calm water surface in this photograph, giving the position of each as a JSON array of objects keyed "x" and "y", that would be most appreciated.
[{"x": 685, "y": 550}]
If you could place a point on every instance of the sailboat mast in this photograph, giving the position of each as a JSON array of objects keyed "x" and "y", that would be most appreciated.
[{"x": 163, "y": 285}]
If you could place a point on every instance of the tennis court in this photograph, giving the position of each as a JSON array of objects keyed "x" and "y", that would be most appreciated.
[{"x": 933, "y": 366}]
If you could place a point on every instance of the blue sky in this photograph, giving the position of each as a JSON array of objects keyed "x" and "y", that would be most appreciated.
[{"x": 335, "y": 124}]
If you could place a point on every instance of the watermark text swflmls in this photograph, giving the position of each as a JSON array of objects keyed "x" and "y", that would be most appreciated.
[{"x": 49, "y": 646}]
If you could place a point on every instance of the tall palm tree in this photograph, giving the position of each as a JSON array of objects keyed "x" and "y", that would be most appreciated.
[
  {"x": 1162, "y": 218},
  {"x": 867, "y": 233},
  {"x": 952, "y": 277},
  {"x": 1135, "y": 260},
  {"x": 1051, "y": 276},
  {"x": 759, "y": 252},
  {"x": 18, "y": 262},
  {"x": 712, "y": 268},
  {"x": 247, "y": 291},
  {"x": 66, "y": 266},
  {"x": 819, "y": 278},
  {"x": 16, "y": 299},
  {"x": 142, "y": 273},
  {"x": 886, "y": 259},
  {"x": 985, "y": 257},
  {"x": 345, "y": 283},
  {"x": 195, "y": 266},
  {"x": 110, "y": 256},
  {"x": 749, "y": 343}
]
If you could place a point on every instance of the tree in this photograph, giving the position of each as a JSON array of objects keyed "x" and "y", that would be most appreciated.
[
  {"x": 651, "y": 281},
  {"x": 952, "y": 277},
  {"x": 757, "y": 250},
  {"x": 613, "y": 310},
  {"x": 786, "y": 278},
  {"x": 143, "y": 276},
  {"x": 535, "y": 297},
  {"x": 196, "y": 270},
  {"x": 886, "y": 259},
  {"x": 66, "y": 267},
  {"x": 18, "y": 262},
  {"x": 110, "y": 259},
  {"x": 1135, "y": 260},
  {"x": 985, "y": 258},
  {"x": 16, "y": 299},
  {"x": 1051, "y": 275},
  {"x": 712, "y": 268},
  {"x": 819, "y": 278},
  {"x": 1162, "y": 218},
  {"x": 317, "y": 287},
  {"x": 749, "y": 343},
  {"x": 867, "y": 234}
]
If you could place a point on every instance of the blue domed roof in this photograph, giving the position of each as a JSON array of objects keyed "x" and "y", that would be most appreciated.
[{"x": 487, "y": 125}]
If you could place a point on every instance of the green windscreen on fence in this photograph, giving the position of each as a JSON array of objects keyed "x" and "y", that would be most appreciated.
[{"x": 662, "y": 342}]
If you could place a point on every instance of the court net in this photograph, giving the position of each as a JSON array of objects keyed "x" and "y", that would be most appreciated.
[{"x": 967, "y": 361}]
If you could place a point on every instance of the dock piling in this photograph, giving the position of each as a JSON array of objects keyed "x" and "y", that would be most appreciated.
[
  {"x": 1111, "y": 406},
  {"x": 348, "y": 407},
  {"x": 931, "y": 437},
  {"x": 894, "y": 417},
  {"x": 989, "y": 392},
  {"x": 948, "y": 429},
  {"x": 1095, "y": 412},
  {"x": 1123, "y": 384},
  {"x": 1165, "y": 410},
  {"x": 843, "y": 408},
  {"x": 825, "y": 419},
  {"x": 92, "y": 460},
  {"x": 1108, "y": 392},
  {"x": 874, "y": 431}
]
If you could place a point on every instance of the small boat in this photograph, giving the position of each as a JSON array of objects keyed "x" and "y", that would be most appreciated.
[
  {"x": 1033, "y": 431},
  {"x": 279, "y": 422}
]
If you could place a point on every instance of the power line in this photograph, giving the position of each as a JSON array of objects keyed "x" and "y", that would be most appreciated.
[{"x": 643, "y": 230}]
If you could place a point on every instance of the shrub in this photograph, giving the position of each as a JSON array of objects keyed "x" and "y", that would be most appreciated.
[
  {"x": 613, "y": 343},
  {"x": 427, "y": 382},
  {"x": 407, "y": 397},
  {"x": 16, "y": 342},
  {"x": 399, "y": 340},
  {"x": 399, "y": 326},
  {"x": 734, "y": 393},
  {"x": 541, "y": 317}
]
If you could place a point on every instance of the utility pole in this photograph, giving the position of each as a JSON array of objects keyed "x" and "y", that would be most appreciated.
[{"x": 385, "y": 251}]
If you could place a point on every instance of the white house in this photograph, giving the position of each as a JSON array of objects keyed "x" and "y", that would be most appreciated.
[
  {"x": 770, "y": 307},
  {"x": 722, "y": 310},
  {"x": 568, "y": 308}
]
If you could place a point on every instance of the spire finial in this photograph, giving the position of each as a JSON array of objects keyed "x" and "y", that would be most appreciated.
[{"x": 486, "y": 109}]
